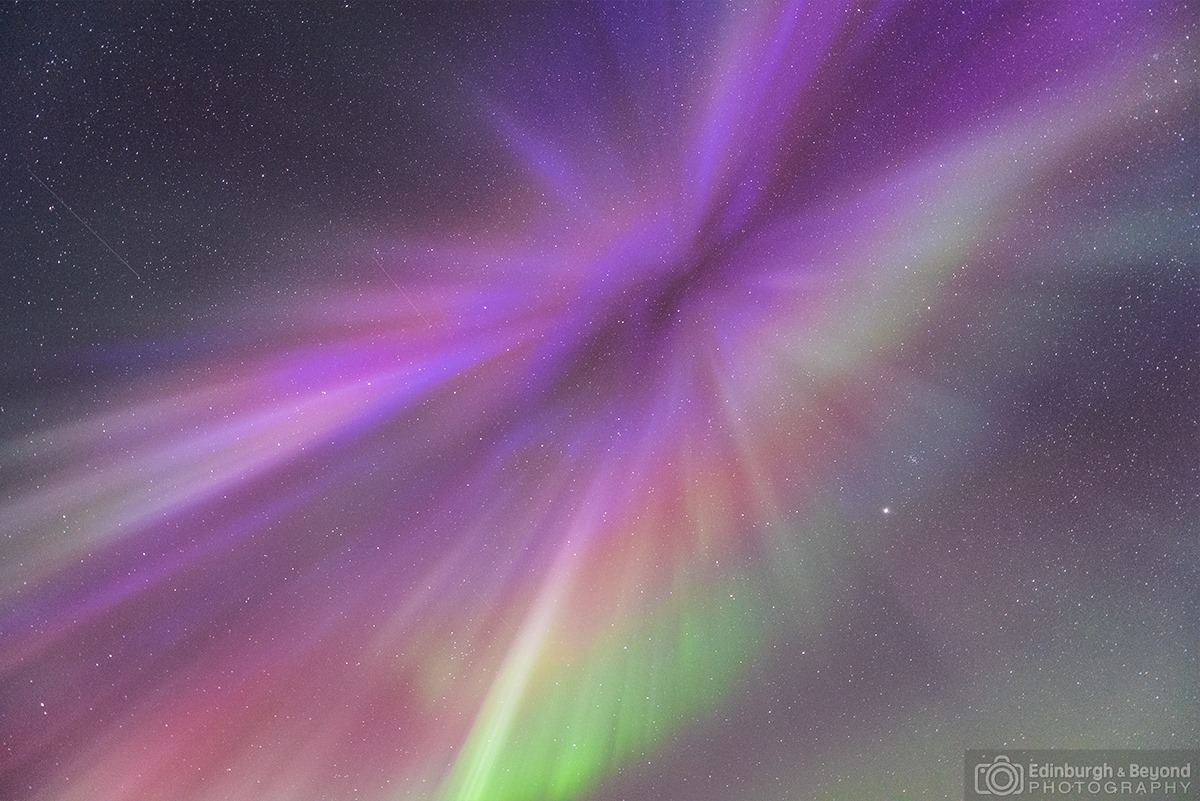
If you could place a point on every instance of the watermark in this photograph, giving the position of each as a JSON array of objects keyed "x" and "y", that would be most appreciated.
[{"x": 1065, "y": 775}]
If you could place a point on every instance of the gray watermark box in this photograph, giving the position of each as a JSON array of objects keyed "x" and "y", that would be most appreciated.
[{"x": 1072, "y": 775}]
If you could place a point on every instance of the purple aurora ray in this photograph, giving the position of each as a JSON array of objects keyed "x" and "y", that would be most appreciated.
[{"x": 804, "y": 394}]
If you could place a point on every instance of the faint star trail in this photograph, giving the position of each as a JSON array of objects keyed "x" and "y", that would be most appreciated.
[
  {"x": 83, "y": 222},
  {"x": 407, "y": 297}
]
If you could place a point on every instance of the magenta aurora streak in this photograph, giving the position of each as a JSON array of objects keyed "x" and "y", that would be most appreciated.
[{"x": 797, "y": 396}]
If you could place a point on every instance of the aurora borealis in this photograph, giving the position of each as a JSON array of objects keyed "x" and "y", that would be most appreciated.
[{"x": 596, "y": 401}]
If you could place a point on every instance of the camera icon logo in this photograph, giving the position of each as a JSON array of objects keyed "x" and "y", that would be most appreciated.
[{"x": 999, "y": 777}]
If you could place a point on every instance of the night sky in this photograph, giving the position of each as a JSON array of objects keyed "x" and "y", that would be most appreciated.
[{"x": 593, "y": 401}]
